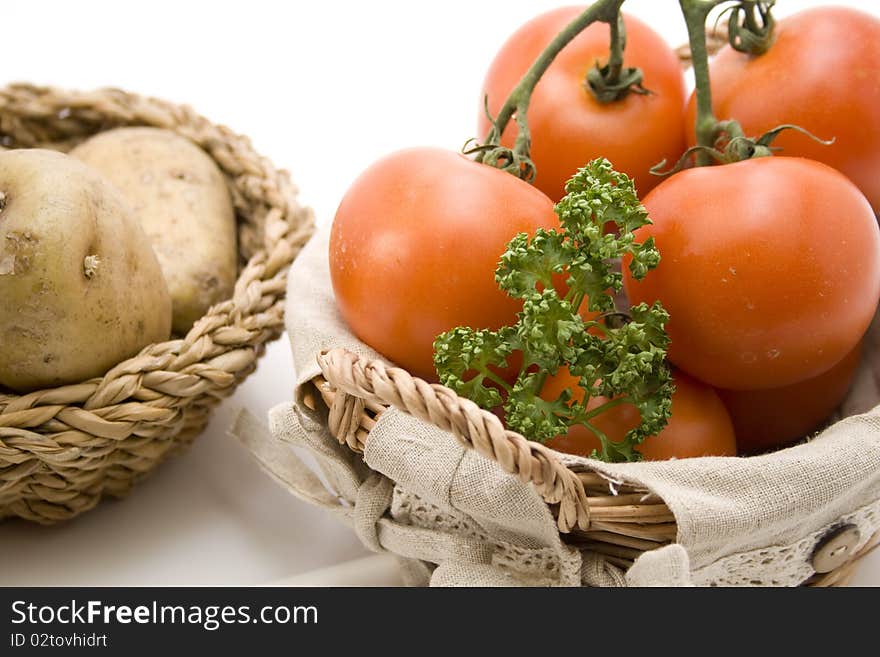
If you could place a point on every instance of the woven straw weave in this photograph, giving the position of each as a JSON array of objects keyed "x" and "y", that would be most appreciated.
[{"x": 62, "y": 449}]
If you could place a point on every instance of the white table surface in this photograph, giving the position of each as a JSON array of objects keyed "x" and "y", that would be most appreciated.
[{"x": 323, "y": 89}]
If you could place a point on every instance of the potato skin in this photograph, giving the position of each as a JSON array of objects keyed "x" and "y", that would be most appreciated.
[
  {"x": 181, "y": 199},
  {"x": 80, "y": 287}
]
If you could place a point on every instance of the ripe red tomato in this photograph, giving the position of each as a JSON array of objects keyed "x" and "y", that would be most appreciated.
[
  {"x": 767, "y": 419},
  {"x": 823, "y": 74},
  {"x": 414, "y": 248},
  {"x": 569, "y": 127},
  {"x": 770, "y": 270},
  {"x": 699, "y": 425}
]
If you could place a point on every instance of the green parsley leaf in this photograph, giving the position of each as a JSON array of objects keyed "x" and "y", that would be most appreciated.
[{"x": 624, "y": 362}]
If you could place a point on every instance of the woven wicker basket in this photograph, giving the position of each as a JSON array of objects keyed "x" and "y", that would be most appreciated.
[
  {"x": 611, "y": 518},
  {"x": 62, "y": 449}
]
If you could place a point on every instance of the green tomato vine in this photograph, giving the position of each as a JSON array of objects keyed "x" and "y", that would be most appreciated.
[{"x": 608, "y": 83}]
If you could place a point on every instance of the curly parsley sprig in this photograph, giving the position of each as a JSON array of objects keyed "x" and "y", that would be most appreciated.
[{"x": 623, "y": 362}]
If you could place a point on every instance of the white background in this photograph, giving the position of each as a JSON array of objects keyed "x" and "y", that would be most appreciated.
[{"x": 323, "y": 89}]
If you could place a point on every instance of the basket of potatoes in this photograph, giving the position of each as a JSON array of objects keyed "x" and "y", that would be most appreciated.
[{"x": 143, "y": 265}]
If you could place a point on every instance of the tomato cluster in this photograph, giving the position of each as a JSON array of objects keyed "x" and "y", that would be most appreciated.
[{"x": 770, "y": 267}]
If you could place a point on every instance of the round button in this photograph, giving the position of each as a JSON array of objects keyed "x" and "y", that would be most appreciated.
[{"x": 836, "y": 548}]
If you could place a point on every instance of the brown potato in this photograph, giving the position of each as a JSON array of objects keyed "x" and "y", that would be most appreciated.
[
  {"x": 182, "y": 201},
  {"x": 80, "y": 287}
]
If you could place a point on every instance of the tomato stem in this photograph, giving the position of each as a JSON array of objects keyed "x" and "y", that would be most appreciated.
[
  {"x": 747, "y": 34},
  {"x": 618, "y": 45},
  {"x": 695, "y": 13},
  {"x": 517, "y": 160}
]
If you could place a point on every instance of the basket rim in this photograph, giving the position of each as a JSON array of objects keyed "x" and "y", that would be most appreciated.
[{"x": 617, "y": 519}]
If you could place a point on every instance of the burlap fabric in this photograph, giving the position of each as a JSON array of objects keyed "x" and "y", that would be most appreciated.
[{"x": 456, "y": 518}]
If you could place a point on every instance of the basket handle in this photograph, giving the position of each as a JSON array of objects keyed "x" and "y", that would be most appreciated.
[{"x": 372, "y": 381}]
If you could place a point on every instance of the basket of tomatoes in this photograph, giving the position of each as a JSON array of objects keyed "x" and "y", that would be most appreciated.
[{"x": 556, "y": 359}]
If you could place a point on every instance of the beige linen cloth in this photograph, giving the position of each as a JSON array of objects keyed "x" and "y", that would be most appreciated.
[{"x": 456, "y": 518}]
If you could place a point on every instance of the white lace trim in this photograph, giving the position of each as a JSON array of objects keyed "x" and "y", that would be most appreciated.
[
  {"x": 787, "y": 565},
  {"x": 543, "y": 566},
  {"x": 771, "y": 566}
]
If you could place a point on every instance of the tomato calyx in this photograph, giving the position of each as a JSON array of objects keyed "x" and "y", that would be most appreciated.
[
  {"x": 751, "y": 28},
  {"x": 732, "y": 145},
  {"x": 515, "y": 160},
  {"x": 613, "y": 81},
  {"x": 629, "y": 80}
]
